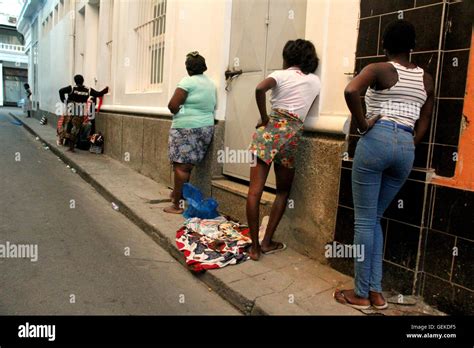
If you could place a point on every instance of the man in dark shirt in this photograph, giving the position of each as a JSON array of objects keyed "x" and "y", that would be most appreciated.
[{"x": 76, "y": 105}]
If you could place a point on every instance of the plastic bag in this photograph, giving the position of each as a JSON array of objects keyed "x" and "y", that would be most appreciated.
[{"x": 197, "y": 206}]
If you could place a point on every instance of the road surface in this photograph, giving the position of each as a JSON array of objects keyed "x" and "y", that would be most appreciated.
[{"x": 90, "y": 259}]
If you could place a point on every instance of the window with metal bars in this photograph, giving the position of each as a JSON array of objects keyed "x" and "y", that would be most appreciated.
[{"x": 150, "y": 44}]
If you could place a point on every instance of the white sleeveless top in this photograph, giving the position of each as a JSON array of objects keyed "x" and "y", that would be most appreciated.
[{"x": 402, "y": 102}]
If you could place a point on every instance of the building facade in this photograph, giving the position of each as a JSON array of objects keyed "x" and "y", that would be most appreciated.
[
  {"x": 13, "y": 60},
  {"x": 138, "y": 48}
]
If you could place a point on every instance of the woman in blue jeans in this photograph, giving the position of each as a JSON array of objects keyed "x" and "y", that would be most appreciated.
[{"x": 399, "y": 101}]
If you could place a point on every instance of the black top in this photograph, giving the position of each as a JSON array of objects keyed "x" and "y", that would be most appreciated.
[{"x": 79, "y": 94}]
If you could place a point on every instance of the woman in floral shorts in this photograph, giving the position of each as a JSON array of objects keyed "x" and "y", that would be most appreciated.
[
  {"x": 278, "y": 141},
  {"x": 293, "y": 91}
]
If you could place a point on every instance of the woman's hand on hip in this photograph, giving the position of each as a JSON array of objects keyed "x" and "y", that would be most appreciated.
[{"x": 370, "y": 123}]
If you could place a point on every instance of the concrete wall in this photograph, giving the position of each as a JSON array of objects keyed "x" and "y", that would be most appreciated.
[
  {"x": 142, "y": 144},
  {"x": 138, "y": 142},
  {"x": 210, "y": 168},
  {"x": 308, "y": 225}
]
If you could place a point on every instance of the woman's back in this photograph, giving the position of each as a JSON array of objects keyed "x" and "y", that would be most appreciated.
[
  {"x": 294, "y": 91},
  {"x": 402, "y": 102},
  {"x": 199, "y": 106}
]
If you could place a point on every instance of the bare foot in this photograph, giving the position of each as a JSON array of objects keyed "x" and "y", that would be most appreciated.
[
  {"x": 172, "y": 209},
  {"x": 254, "y": 253},
  {"x": 273, "y": 247}
]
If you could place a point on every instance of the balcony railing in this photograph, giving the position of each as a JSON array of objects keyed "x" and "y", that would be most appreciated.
[{"x": 12, "y": 48}]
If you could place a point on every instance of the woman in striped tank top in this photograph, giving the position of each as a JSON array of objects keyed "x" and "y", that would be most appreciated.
[{"x": 399, "y": 103}]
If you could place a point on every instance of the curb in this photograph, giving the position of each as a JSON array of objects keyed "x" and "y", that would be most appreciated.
[{"x": 245, "y": 305}]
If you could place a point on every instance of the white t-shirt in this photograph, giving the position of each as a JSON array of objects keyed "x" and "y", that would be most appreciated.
[{"x": 294, "y": 91}]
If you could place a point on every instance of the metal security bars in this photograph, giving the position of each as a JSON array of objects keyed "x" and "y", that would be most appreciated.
[{"x": 150, "y": 44}]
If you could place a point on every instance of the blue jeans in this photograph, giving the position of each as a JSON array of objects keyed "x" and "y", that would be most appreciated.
[{"x": 382, "y": 162}]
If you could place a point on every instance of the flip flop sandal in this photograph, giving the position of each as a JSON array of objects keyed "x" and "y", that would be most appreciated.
[
  {"x": 346, "y": 301},
  {"x": 384, "y": 306},
  {"x": 276, "y": 250}
]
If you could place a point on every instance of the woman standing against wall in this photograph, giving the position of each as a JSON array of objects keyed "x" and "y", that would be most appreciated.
[
  {"x": 294, "y": 90},
  {"x": 193, "y": 105},
  {"x": 399, "y": 100}
]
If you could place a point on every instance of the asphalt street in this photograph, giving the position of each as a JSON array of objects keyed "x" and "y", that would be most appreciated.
[{"x": 90, "y": 258}]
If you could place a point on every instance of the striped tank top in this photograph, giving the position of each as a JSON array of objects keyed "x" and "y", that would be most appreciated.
[{"x": 402, "y": 102}]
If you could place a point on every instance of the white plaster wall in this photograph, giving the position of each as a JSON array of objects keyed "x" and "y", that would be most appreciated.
[
  {"x": 91, "y": 40},
  {"x": 191, "y": 25},
  {"x": 1, "y": 84},
  {"x": 202, "y": 25},
  {"x": 332, "y": 26},
  {"x": 104, "y": 56},
  {"x": 54, "y": 59},
  {"x": 9, "y": 8},
  {"x": 13, "y": 57}
]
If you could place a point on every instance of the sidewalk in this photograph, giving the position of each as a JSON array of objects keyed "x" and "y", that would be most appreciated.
[{"x": 286, "y": 283}]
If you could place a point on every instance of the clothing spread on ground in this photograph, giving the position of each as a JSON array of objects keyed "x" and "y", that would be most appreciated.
[{"x": 212, "y": 243}]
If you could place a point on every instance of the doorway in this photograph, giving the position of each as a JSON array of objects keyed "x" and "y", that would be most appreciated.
[{"x": 260, "y": 29}]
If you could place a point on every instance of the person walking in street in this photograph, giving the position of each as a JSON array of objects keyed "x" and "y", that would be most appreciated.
[
  {"x": 399, "y": 100},
  {"x": 76, "y": 109},
  {"x": 294, "y": 90},
  {"x": 193, "y": 106},
  {"x": 28, "y": 106}
]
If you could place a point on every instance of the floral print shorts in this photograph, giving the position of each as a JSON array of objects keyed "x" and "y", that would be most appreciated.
[
  {"x": 278, "y": 140},
  {"x": 189, "y": 145}
]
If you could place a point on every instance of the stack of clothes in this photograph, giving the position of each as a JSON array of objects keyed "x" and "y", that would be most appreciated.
[{"x": 212, "y": 243}]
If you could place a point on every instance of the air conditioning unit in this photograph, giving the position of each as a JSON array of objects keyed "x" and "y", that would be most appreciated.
[{"x": 12, "y": 20}]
